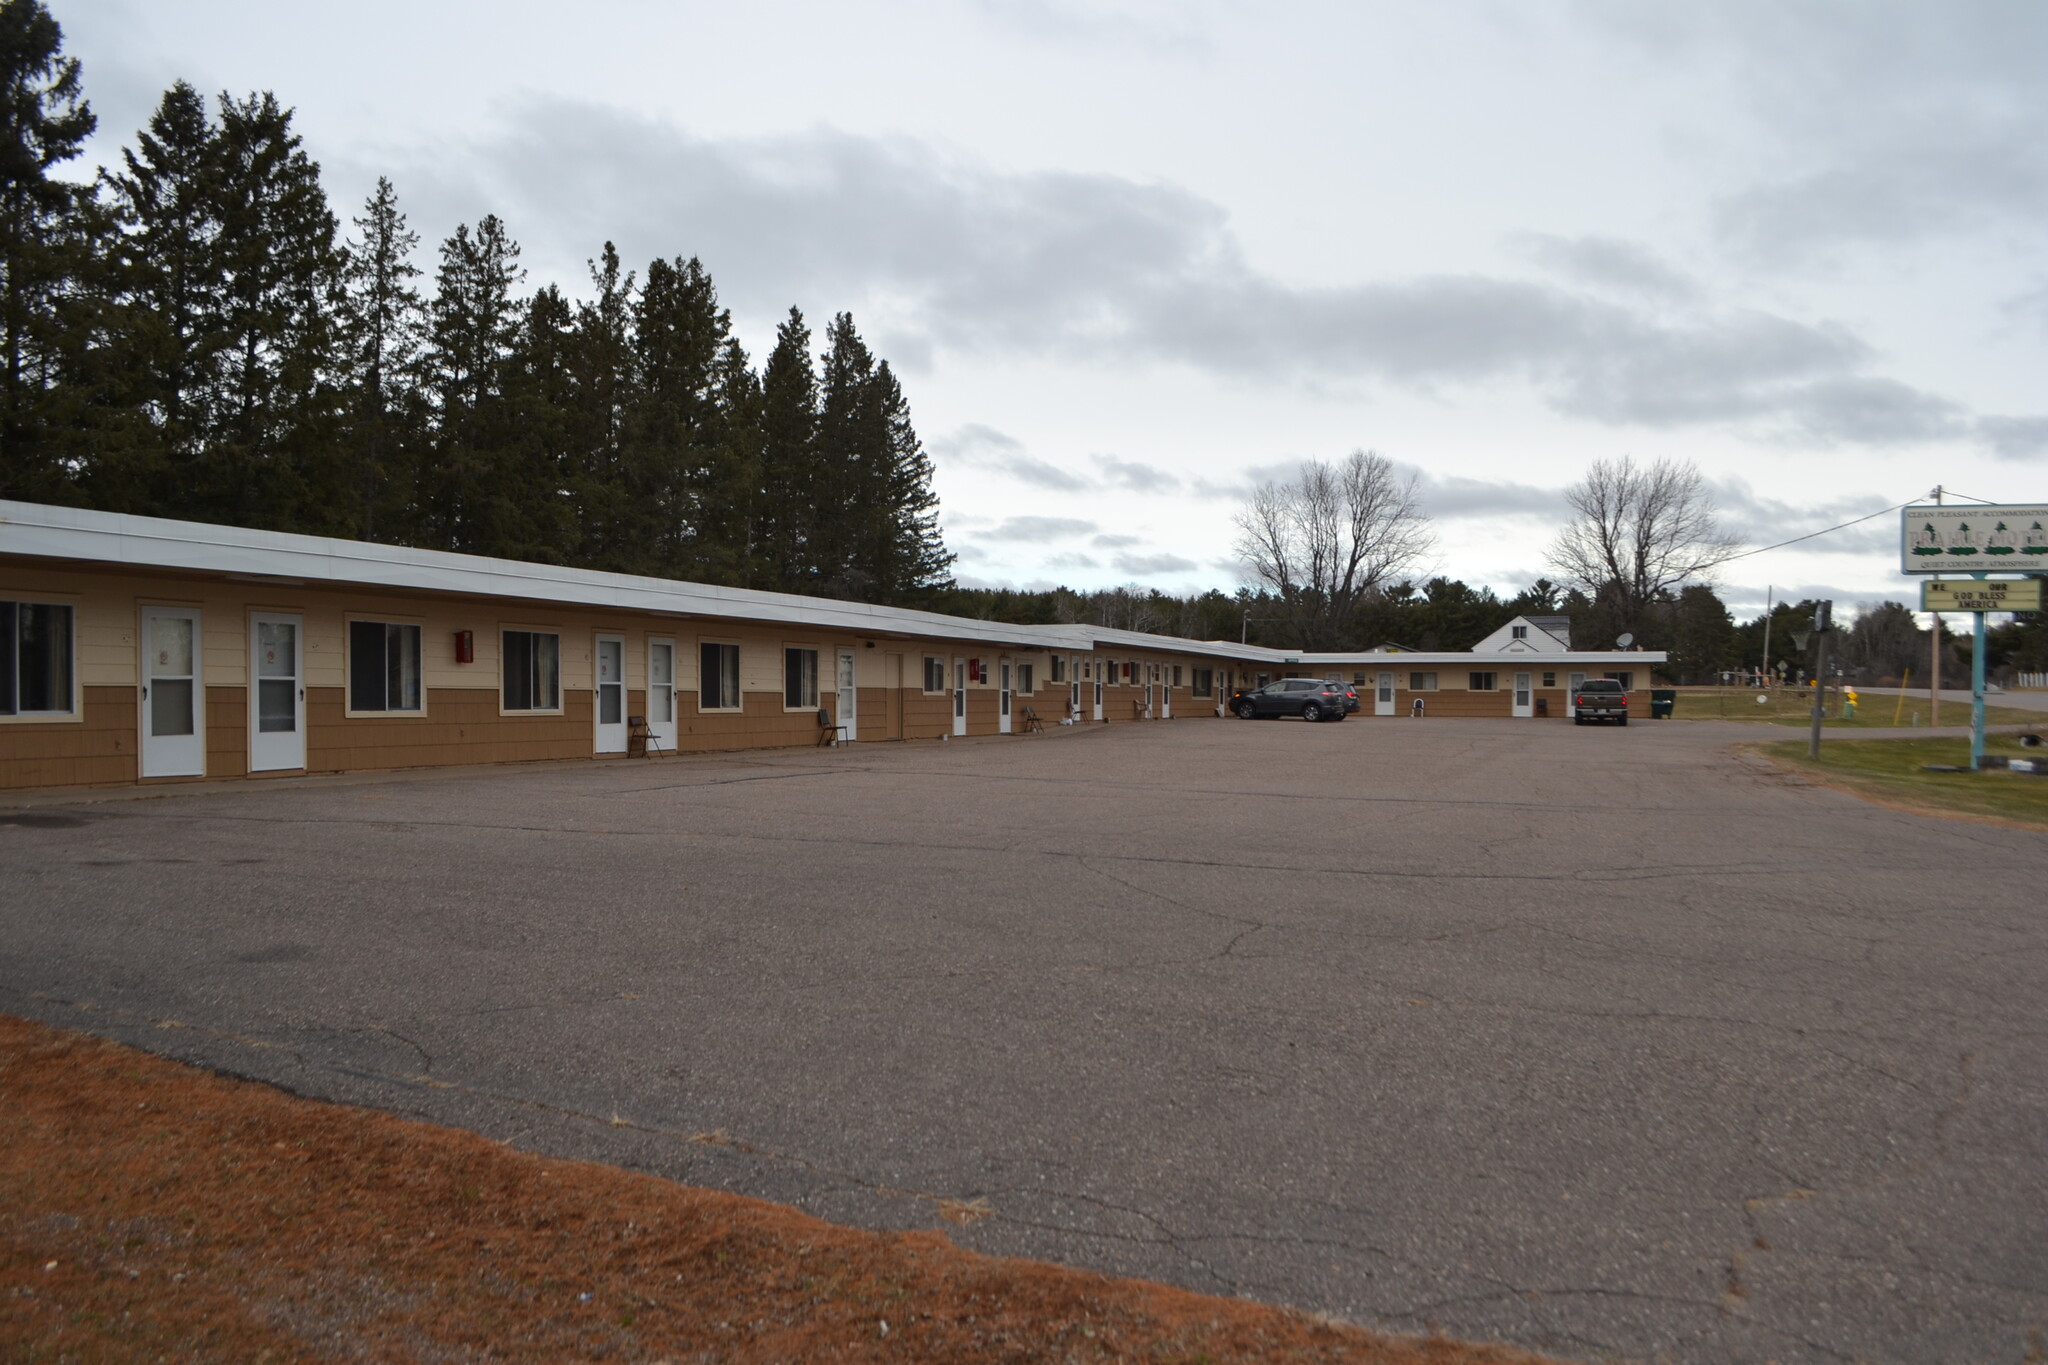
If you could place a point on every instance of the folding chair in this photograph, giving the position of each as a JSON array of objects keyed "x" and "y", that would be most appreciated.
[
  {"x": 640, "y": 738},
  {"x": 1032, "y": 724}
]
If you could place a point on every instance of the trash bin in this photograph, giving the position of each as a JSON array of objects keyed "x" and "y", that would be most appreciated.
[
  {"x": 1543, "y": 706},
  {"x": 1662, "y": 699}
]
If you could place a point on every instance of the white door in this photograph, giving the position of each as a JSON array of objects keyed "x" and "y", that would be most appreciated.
[
  {"x": 277, "y": 694},
  {"x": 1098, "y": 697},
  {"x": 1166, "y": 697},
  {"x": 1383, "y": 696},
  {"x": 1003, "y": 697},
  {"x": 1572, "y": 683},
  {"x": 849, "y": 700},
  {"x": 611, "y": 694},
  {"x": 959, "y": 696},
  {"x": 1525, "y": 699},
  {"x": 1074, "y": 699},
  {"x": 661, "y": 692},
  {"x": 173, "y": 693}
]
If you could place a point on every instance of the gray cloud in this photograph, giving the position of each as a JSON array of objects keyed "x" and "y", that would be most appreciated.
[
  {"x": 1153, "y": 564},
  {"x": 983, "y": 447},
  {"x": 2015, "y": 438},
  {"x": 1947, "y": 105},
  {"x": 1095, "y": 266},
  {"x": 1039, "y": 528},
  {"x": 971, "y": 553},
  {"x": 1610, "y": 264},
  {"x": 1072, "y": 561},
  {"x": 1108, "y": 542},
  {"x": 1763, "y": 520},
  {"x": 1136, "y": 475},
  {"x": 1454, "y": 496}
]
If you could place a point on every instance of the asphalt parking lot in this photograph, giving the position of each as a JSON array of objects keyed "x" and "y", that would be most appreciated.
[{"x": 1602, "y": 1041}]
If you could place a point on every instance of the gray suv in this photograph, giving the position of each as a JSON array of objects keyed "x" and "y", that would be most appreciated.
[{"x": 1309, "y": 698}]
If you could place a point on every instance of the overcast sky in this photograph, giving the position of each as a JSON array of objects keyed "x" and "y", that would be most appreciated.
[{"x": 1129, "y": 257}]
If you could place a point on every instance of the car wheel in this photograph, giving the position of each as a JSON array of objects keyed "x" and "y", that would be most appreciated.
[
  {"x": 1246, "y": 711},
  {"x": 1578, "y": 719},
  {"x": 1624, "y": 720},
  {"x": 1311, "y": 712}
]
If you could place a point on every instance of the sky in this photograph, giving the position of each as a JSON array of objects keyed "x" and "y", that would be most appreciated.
[{"x": 1131, "y": 259}]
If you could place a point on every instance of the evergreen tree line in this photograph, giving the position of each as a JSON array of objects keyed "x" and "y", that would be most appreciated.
[{"x": 192, "y": 334}]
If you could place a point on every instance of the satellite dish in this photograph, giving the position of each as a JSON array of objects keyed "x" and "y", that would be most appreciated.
[{"x": 1624, "y": 642}]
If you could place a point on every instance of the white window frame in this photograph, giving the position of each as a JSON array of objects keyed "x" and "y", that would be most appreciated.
[
  {"x": 10, "y": 604},
  {"x": 800, "y": 705},
  {"x": 738, "y": 694},
  {"x": 350, "y": 621},
  {"x": 537, "y": 632},
  {"x": 1415, "y": 683},
  {"x": 935, "y": 667}
]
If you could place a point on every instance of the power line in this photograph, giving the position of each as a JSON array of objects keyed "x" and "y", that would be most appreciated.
[{"x": 1766, "y": 549}]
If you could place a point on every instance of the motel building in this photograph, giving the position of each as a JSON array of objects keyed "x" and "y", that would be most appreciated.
[{"x": 141, "y": 650}]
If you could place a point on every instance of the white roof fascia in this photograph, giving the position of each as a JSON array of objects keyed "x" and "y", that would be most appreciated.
[
  {"x": 138, "y": 542},
  {"x": 160, "y": 543}
]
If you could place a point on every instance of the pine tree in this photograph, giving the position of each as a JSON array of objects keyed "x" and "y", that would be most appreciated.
[
  {"x": 692, "y": 467},
  {"x": 278, "y": 273},
  {"x": 789, "y": 475},
  {"x": 44, "y": 121},
  {"x": 535, "y": 508},
  {"x": 384, "y": 331},
  {"x": 846, "y": 485},
  {"x": 611, "y": 502},
  {"x": 911, "y": 560},
  {"x": 160, "y": 353},
  {"x": 476, "y": 331}
]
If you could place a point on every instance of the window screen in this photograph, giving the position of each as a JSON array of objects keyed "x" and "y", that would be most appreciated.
[
  {"x": 533, "y": 671},
  {"x": 35, "y": 658},
  {"x": 800, "y": 678},
  {"x": 718, "y": 684},
  {"x": 934, "y": 674},
  {"x": 383, "y": 666}
]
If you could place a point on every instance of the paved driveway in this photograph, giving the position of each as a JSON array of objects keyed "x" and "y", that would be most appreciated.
[{"x": 1602, "y": 1041}]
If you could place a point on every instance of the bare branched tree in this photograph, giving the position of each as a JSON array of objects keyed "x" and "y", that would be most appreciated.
[
  {"x": 1326, "y": 540},
  {"x": 1640, "y": 532}
]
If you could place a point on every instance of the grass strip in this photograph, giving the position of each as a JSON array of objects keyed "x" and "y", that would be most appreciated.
[
  {"x": 1894, "y": 771},
  {"x": 1786, "y": 706}
]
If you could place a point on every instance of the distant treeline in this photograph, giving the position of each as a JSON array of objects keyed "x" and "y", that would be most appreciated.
[{"x": 192, "y": 335}]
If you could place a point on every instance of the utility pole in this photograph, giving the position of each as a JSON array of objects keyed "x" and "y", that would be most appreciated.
[
  {"x": 1934, "y": 673},
  {"x": 1823, "y": 620}
]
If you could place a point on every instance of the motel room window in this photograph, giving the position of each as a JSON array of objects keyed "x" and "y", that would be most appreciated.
[
  {"x": 1203, "y": 680},
  {"x": 533, "y": 671},
  {"x": 934, "y": 674},
  {"x": 1484, "y": 682},
  {"x": 1626, "y": 679},
  {"x": 1024, "y": 672},
  {"x": 1176, "y": 675},
  {"x": 383, "y": 666},
  {"x": 1550, "y": 679},
  {"x": 1422, "y": 682},
  {"x": 35, "y": 659},
  {"x": 1059, "y": 668},
  {"x": 1520, "y": 632},
  {"x": 800, "y": 679},
  {"x": 718, "y": 685}
]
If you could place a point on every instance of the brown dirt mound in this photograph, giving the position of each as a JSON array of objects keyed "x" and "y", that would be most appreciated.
[{"x": 151, "y": 1211}]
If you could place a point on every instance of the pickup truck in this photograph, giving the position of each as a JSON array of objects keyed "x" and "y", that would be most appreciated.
[{"x": 1599, "y": 699}]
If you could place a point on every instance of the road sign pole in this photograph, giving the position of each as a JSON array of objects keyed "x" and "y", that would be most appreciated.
[
  {"x": 1977, "y": 693},
  {"x": 1820, "y": 673}
]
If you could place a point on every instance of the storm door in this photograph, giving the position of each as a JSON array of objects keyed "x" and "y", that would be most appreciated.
[
  {"x": 173, "y": 695},
  {"x": 277, "y": 694}
]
